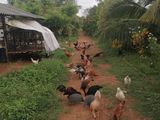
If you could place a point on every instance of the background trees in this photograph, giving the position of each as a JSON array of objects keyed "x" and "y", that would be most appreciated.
[
  {"x": 116, "y": 21},
  {"x": 60, "y": 14}
]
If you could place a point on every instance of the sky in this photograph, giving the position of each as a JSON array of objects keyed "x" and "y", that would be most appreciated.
[
  {"x": 3, "y": 1},
  {"x": 83, "y": 3}
]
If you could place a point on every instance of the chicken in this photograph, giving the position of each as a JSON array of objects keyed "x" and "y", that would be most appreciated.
[
  {"x": 88, "y": 46},
  {"x": 120, "y": 95},
  {"x": 69, "y": 65},
  {"x": 93, "y": 89},
  {"x": 67, "y": 91},
  {"x": 81, "y": 71},
  {"x": 84, "y": 84},
  {"x": 98, "y": 54},
  {"x": 75, "y": 98},
  {"x": 68, "y": 54},
  {"x": 91, "y": 72},
  {"x": 88, "y": 100},
  {"x": 95, "y": 104},
  {"x": 127, "y": 81},
  {"x": 84, "y": 52},
  {"x": 61, "y": 88},
  {"x": 86, "y": 57},
  {"x": 70, "y": 90},
  {"x": 35, "y": 61},
  {"x": 119, "y": 111},
  {"x": 72, "y": 70},
  {"x": 76, "y": 46}
]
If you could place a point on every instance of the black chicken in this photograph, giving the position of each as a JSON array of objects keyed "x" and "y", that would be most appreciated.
[{"x": 93, "y": 89}]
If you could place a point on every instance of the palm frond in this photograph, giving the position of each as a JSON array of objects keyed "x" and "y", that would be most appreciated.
[
  {"x": 152, "y": 15},
  {"x": 123, "y": 9},
  {"x": 145, "y": 2}
]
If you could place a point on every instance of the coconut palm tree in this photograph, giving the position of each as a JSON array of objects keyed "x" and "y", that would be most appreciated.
[{"x": 117, "y": 16}]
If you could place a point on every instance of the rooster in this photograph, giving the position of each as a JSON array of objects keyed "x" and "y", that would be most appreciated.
[
  {"x": 93, "y": 89},
  {"x": 35, "y": 61},
  {"x": 119, "y": 111},
  {"x": 98, "y": 54}
]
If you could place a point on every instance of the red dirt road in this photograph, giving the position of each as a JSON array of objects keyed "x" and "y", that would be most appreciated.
[{"x": 79, "y": 112}]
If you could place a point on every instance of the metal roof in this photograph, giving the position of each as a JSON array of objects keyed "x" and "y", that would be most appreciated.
[{"x": 8, "y": 10}]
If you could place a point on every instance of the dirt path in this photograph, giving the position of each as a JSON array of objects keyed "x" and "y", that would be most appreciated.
[
  {"x": 12, "y": 66},
  {"x": 79, "y": 112}
]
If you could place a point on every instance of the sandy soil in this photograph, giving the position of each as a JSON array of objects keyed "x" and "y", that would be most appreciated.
[{"x": 79, "y": 112}]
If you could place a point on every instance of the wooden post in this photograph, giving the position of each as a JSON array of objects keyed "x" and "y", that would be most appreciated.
[{"x": 5, "y": 37}]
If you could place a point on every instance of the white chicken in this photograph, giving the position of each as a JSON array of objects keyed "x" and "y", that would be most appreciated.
[
  {"x": 72, "y": 70},
  {"x": 127, "y": 81},
  {"x": 120, "y": 95},
  {"x": 95, "y": 104},
  {"x": 35, "y": 61}
]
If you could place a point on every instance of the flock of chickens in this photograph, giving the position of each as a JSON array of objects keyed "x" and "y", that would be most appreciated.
[{"x": 91, "y": 96}]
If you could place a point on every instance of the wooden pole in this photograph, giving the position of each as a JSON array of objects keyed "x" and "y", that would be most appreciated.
[{"x": 5, "y": 37}]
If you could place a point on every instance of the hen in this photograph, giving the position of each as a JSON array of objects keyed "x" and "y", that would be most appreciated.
[
  {"x": 95, "y": 104},
  {"x": 119, "y": 111},
  {"x": 120, "y": 95},
  {"x": 35, "y": 61},
  {"x": 127, "y": 81}
]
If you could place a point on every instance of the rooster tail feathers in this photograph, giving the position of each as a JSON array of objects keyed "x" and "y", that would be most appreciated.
[{"x": 98, "y": 54}]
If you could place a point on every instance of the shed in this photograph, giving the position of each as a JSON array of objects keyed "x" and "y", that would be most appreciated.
[{"x": 15, "y": 39}]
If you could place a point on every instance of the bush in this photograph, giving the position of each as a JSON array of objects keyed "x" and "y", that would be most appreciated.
[{"x": 31, "y": 93}]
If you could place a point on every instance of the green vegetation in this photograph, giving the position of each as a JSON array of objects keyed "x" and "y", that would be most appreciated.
[
  {"x": 60, "y": 15},
  {"x": 145, "y": 82},
  {"x": 31, "y": 94},
  {"x": 129, "y": 33}
]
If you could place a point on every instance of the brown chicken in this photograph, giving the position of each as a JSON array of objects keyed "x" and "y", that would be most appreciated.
[
  {"x": 71, "y": 65},
  {"x": 91, "y": 72},
  {"x": 119, "y": 111},
  {"x": 68, "y": 54},
  {"x": 84, "y": 84}
]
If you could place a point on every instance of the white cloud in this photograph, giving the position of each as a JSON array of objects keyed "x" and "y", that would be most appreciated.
[
  {"x": 84, "y": 5},
  {"x": 4, "y": 1}
]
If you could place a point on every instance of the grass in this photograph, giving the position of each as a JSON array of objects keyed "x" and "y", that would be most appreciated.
[
  {"x": 31, "y": 94},
  {"x": 145, "y": 80}
]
